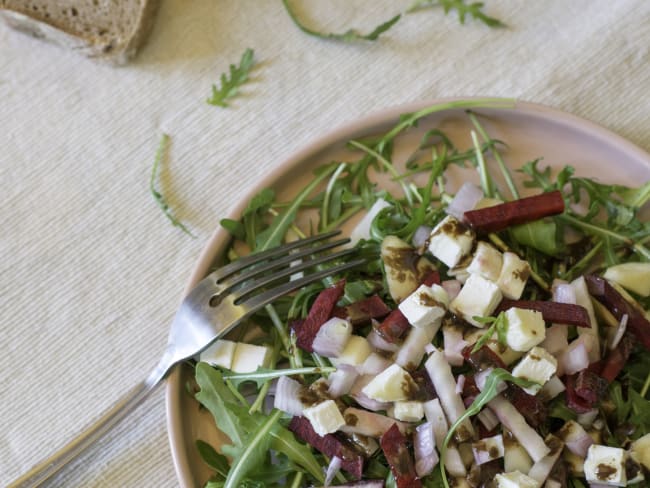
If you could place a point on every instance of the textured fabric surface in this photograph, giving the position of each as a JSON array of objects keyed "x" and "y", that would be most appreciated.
[{"x": 92, "y": 272}]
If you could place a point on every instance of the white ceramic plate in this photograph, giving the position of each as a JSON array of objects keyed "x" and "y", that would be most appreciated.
[{"x": 530, "y": 130}]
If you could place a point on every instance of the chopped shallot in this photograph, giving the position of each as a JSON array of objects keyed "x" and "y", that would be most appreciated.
[
  {"x": 454, "y": 345},
  {"x": 332, "y": 470},
  {"x": 287, "y": 396},
  {"x": 452, "y": 287},
  {"x": 332, "y": 337},
  {"x": 466, "y": 198},
  {"x": 424, "y": 445},
  {"x": 421, "y": 235},
  {"x": 434, "y": 414},
  {"x": 378, "y": 342},
  {"x": 341, "y": 380},
  {"x": 574, "y": 358}
]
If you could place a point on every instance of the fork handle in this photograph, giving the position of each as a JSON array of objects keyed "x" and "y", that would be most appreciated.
[{"x": 73, "y": 449}]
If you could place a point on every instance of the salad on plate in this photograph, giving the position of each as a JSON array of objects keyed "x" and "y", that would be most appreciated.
[{"x": 498, "y": 336}]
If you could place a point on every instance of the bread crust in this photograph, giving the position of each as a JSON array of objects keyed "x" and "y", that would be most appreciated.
[{"x": 111, "y": 47}]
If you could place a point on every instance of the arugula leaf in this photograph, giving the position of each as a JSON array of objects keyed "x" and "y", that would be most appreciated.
[
  {"x": 540, "y": 234},
  {"x": 473, "y": 9},
  {"x": 350, "y": 35},
  {"x": 217, "y": 398},
  {"x": 230, "y": 86},
  {"x": 212, "y": 458},
  {"x": 160, "y": 200},
  {"x": 499, "y": 324},
  {"x": 490, "y": 390}
]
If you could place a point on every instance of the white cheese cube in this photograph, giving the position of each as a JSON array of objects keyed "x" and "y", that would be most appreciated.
[
  {"x": 450, "y": 240},
  {"x": 478, "y": 297},
  {"x": 393, "y": 384},
  {"x": 249, "y": 357},
  {"x": 219, "y": 353},
  {"x": 488, "y": 449},
  {"x": 332, "y": 337},
  {"x": 526, "y": 328},
  {"x": 605, "y": 465},
  {"x": 640, "y": 450},
  {"x": 425, "y": 306},
  {"x": 513, "y": 276},
  {"x": 409, "y": 411},
  {"x": 515, "y": 479},
  {"x": 325, "y": 417},
  {"x": 538, "y": 366},
  {"x": 355, "y": 353},
  {"x": 487, "y": 262}
]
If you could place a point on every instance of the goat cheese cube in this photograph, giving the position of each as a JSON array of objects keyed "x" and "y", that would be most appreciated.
[
  {"x": 394, "y": 384},
  {"x": 488, "y": 449},
  {"x": 487, "y": 262},
  {"x": 526, "y": 328},
  {"x": 513, "y": 276},
  {"x": 478, "y": 297},
  {"x": 538, "y": 366},
  {"x": 219, "y": 353},
  {"x": 355, "y": 353},
  {"x": 409, "y": 411},
  {"x": 515, "y": 479},
  {"x": 425, "y": 306},
  {"x": 450, "y": 240},
  {"x": 605, "y": 465},
  {"x": 325, "y": 417},
  {"x": 248, "y": 357}
]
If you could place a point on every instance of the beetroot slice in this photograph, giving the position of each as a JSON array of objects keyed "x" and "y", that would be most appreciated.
[
  {"x": 606, "y": 294},
  {"x": 482, "y": 359},
  {"x": 393, "y": 443},
  {"x": 531, "y": 407},
  {"x": 362, "y": 311},
  {"x": 432, "y": 277},
  {"x": 559, "y": 313},
  {"x": 393, "y": 327},
  {"x": 574, "y": 401},
  {"x": 529, "y": 209},
  {"x": 318, "y": 314},
  {"x": 617, "y": 358},
  {"x": 590, "y": 387},
  {"x": 330, "y": 445}
]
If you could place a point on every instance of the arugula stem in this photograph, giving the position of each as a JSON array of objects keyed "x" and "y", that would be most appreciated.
[
  {"x": 324, "y": 213},
  {"x": 282, "y": 332},
  {"x": 388, "y": 166},
  {"x": 270, "y": 375},
  {"x": 568, "y": 274},
  {"x": 235, "y": 392},
  {"x": 595, "y": 229},
  {"x": 297, "y": 480},
  {"x": 486, "y": 180},
  {"x": 343, "y": 217},
  {"x": 497, "y": 241},
  {"x": 411, "y": 119},
  {"x": 646, "y": 386},
  {"x": 237, "y": 469},
  {"x": 497, "y": 156}
]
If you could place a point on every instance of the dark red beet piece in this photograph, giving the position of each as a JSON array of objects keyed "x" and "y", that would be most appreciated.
[
  {"x": 617, "y": 358},
  {"x": 560, "y": 313},
  {"x": 531, "y": 407},
  {"x": 432, "y": 277},
  {"x": 529, "y": 209},
  {"x": 573, "y": 400},
  {"x": 606, "y": 294},
  {"x": 483, "y": 358},
  {"x": 393, "y": 443},
  {"x": 330, "y": 445},
  {"x": 426, "y": 391},
  {"x": 393, "y": 327},
  {"x": 590, "y": 387},
  {"x": 361, "y": 312},
  {"x": 319, "y": 313}
]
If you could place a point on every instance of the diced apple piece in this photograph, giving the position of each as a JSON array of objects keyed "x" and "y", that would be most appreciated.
[
  {"x": 394, "y": 384},
  {"x": 634, "y": 277},
  {"x": 355, "y": 353}
]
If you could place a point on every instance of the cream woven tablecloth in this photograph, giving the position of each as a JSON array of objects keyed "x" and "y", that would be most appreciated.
[{"x": 91, "y": 270}]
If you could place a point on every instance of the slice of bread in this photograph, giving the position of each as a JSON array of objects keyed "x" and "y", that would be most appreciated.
[{"x": 112, "y": 30}]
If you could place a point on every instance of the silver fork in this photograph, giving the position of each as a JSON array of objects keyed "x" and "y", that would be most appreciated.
[{"x": 215, "y": 306}]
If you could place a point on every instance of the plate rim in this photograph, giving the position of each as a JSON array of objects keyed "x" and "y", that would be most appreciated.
[{"x": 219, "y": 237}]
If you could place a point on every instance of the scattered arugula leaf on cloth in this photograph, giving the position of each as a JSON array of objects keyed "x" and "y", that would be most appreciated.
[
  {"x": 230, "y": 86},
  {"x": 474, "y": 10},
  {"x": 160, "y": 200}
]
